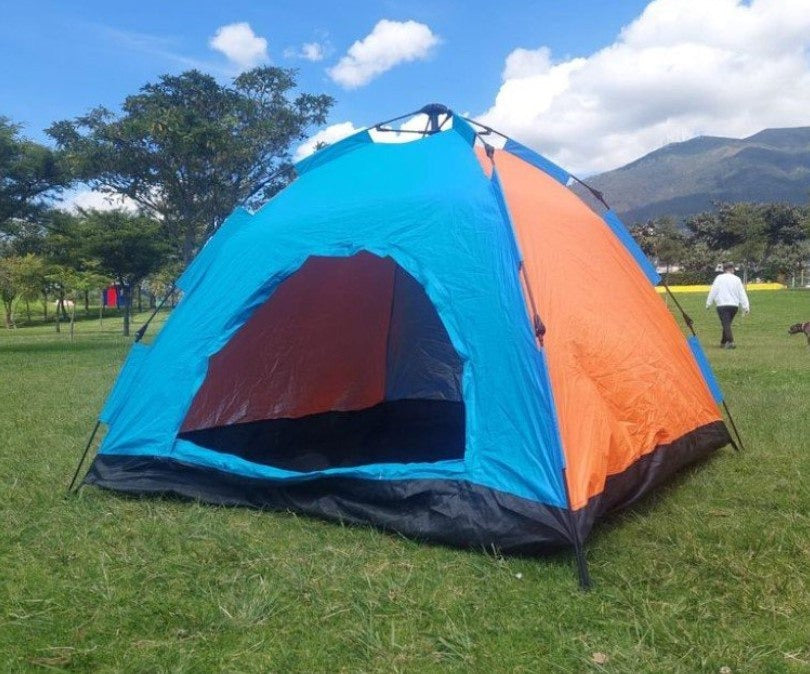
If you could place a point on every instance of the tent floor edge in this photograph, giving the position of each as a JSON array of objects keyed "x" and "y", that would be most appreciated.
[{"x": 450, "y": 512}]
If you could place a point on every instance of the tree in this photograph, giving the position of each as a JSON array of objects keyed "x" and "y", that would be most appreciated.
[
  {"x": 28, "y": 173},
  {"x": 733, "y": 231},
  {"x": 72, "y": 283},
  {"x": 671, "y": 243},
  {"x": 700, "y": 261},
  {"x": 188, "y": 149},
  {"x": 126, "y": 247},
  {"x": 645, "y": 235},
  {"x": 32, "y": 273},
  {"x": 745, "y": 226},
  {"x": 788, "y": 233},
  {"x": 63, "y": 248},
  {"x": 660, "y": 239},
  {"x": 707, "y": 228},
  {"x": 9, "y": 286}
]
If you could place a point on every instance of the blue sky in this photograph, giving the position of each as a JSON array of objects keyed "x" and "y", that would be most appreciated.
[
  {"x": 61, "y": 58},
  {"x": 591, "y": 83}
]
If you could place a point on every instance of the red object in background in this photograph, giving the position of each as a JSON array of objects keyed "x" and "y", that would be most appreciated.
[{"x": 110, "y": 296}]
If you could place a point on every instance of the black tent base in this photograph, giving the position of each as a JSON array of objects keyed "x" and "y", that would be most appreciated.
[{"x": 451, "y": 512}]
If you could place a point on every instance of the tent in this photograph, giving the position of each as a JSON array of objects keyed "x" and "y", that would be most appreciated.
[{"x": 436, "y": 337}]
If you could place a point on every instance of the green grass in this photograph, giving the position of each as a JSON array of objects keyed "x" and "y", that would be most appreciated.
[{"x": 712, "y": 571}]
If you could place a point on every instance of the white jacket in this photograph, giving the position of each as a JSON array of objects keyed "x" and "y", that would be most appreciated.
[{"x": 728, "y": 291}]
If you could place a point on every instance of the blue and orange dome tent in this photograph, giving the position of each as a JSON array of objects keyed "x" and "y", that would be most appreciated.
[{"x": 436, "y": 337}]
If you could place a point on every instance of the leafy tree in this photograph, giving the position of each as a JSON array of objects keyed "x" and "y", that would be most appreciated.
[
  {"x": 788, "y": 233},
  {"x": 71, "y": 283},
  {"x": 188, "y": 149},
  {"x": 126, "y": 247},
  {"x": 671, "y": 242},
  {"x": 63, "y": 251},
  {"x": 661, "y": 239},
  {"x": 9, "y": 286},
  {"x": 32, "y": 280},
  {"x": 785, "y": 259},
  {"x": 160, "y": 282},
  {"x": 28, "y": 173},
  {"x": 645, "y": 235},
  {"x": 744, "y": 225},
  {"x": 699, "y": 260},
  {"x": 707, "y": 228}
]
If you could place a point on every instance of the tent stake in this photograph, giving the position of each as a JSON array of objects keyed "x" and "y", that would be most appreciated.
[
  {"x": 582, "y": 562},
  {"x": 582, "y": 568},
  {"x": 84, "y": 456},
  {"x": 734, "y": 427}
]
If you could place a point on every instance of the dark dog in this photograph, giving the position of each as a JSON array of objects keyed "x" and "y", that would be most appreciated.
[{"x": 800, "y": 328}]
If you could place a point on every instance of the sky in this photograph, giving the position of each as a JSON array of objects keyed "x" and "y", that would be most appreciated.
[{"x": 592, "y": 84}]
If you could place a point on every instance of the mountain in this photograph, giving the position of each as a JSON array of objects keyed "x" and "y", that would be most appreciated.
[{"x": 681, "y": 179}]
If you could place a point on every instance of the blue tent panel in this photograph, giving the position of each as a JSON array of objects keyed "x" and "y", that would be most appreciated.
[
  {"x": 618, "y": 228},
  {"x": 706, "y": 369}
]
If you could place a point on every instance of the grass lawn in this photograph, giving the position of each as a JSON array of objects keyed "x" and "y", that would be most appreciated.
[{"x": 711, "y": 572}]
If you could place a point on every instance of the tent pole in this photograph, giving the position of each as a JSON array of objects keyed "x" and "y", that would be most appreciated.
[
  {"x": 738, "y": 445},
  {"x": 84, "y": 456},
  {"x": 582, "y": 569},
  {"x": 142, "y": 330},
  {"x": 734, "y": 427},
  {"x": 579, "y": 551}
]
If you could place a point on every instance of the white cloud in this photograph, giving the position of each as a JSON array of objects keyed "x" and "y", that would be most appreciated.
[
  {"x": 93, "y": 200},
  {"x": 386, "y": 46},
  {"x": 309, "y": 51},
  {"x": 312, "y": 51},
  {"x": 240, "y": 45},
  {"x": 331, "y": 134},
  {"x": 682, "y": 68}
]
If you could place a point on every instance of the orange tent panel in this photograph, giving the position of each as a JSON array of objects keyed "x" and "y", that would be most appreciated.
[{"x": 623, "y": 376}]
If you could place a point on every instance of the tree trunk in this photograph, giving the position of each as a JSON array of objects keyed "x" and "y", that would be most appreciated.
[
  {"x": 125, "y": 297},
  {"x": 9, "y": 315},
  {"x": 140, "y": 299},
  {"x": 87, "y": 302},
  {"x": 45, "y": 306},
  {"x": 57, "y": 316},
  {"x": 28, "y": 310},
  {"x": 73, "y": 316},
  {"x": 188, "y": 248}
]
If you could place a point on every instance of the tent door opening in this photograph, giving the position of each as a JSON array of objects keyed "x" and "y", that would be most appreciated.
[{"x": 347, "y": 363}]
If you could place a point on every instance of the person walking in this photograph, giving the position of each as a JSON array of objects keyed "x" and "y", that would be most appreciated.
[{"x": 728, "y": 294}]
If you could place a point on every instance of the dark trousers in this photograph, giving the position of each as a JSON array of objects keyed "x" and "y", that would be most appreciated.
[{"x": 726, "y": 315}]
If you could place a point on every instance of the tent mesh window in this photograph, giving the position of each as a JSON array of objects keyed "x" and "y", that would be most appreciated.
[{"x": 347, "y": 363}]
